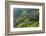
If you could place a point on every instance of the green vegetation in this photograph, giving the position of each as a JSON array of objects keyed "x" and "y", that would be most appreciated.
[{"x": 27, "y": 19}]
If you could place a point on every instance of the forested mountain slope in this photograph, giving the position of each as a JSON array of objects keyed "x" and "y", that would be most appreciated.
[{"x": 26, "y": 17}]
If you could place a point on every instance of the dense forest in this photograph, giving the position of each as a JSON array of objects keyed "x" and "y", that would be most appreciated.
[{"x": 24, "y": 17}]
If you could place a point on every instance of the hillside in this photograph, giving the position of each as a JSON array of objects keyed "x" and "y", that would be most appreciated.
[{"x": 26, "y": 18}]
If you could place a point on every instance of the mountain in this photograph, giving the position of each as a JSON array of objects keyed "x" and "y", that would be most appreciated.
[{"x": 25, "y": 17}]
